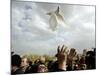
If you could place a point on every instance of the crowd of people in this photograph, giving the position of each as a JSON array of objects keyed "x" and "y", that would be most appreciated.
[{"x": 66, "y": 60}]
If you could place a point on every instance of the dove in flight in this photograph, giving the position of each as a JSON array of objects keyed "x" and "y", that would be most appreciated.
[{"x": 55, "y": 19}]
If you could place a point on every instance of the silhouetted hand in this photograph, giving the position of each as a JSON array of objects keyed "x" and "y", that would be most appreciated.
[
  {"x": 62, "y": 57},
  {"x": 71, "y": 56}
]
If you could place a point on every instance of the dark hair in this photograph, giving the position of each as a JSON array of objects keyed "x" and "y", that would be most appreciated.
[{"x": 15, "y": 60}]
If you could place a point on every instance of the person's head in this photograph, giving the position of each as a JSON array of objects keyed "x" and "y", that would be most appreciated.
[
  {"x": 15, "y": 60},
  {"x": 42, "y": 68},
  {"x": 24, "y": 61},
  {"x": 90, "y": 53}
]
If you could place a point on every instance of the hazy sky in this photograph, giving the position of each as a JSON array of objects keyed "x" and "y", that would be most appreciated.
[{"x": 31, "y": 32}]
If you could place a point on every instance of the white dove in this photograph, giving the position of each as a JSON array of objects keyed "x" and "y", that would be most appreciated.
[{"x": 55, "y": 19}]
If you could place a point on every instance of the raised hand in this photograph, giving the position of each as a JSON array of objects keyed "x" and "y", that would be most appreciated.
[
  {"x": 62, "y": 57},
  {"x": 61, "y": 54},
  {"x": 71, "y": 56}
]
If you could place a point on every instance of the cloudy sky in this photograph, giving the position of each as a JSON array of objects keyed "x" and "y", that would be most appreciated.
[{"x": 31, "y": 33}]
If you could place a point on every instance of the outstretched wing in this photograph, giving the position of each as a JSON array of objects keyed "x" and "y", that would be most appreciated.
[{"x": 60, "y": 17}]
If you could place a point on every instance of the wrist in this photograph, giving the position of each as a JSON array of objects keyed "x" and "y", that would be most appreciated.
[{"x": 62, "y": 65}]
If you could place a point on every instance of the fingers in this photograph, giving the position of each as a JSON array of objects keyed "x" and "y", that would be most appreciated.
[
  {"x": 62, "y": 50},
  {"x": 58, "y": 49}
]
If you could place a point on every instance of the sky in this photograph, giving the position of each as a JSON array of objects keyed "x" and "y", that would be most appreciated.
[{"x": 31, "y": 33}]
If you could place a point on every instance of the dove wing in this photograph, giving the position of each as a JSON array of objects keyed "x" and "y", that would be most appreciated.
[{"x": 60, "y": 17}]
